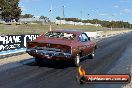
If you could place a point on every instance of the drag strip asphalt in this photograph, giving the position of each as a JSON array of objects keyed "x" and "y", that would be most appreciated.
[{"x": 58, "y": 74}]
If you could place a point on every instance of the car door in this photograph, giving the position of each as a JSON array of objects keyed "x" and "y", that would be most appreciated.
[
  {"x": 85, "y": 46},
  {"x": 89, "y": 44}
]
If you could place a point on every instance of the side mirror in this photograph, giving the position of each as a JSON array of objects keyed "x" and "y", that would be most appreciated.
[{"x": 89, "y": 38}]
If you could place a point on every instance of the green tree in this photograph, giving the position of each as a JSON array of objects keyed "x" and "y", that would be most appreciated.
[
  {"x": 58, "y": 18},
  {"x": 27, "y": 16},
  {"x": 10, "y": 10},
  {"x": 46, "y": 19},
  {"x": 42, "y": 17},
  {"x": 109, "y": 24}
]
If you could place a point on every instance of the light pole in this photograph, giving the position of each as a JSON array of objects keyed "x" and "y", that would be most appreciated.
[
  {"x": 122, "y": 24},
  {"x": 97, "y": 18},
  {"x": 130, "y": 25},
  {"x": 81, "y": 13},
  {"x": 63, "y": 8},
  {"x": 50, "y": 12},
  {"x": 63, "y": 13},
  {"x": 88, "y": 15},
  {"x": 112, "y": 17},
  {"x": 0, "y": 12}
]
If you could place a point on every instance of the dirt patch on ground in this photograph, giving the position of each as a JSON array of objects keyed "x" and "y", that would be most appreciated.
[{"x": 14, "y": 59}]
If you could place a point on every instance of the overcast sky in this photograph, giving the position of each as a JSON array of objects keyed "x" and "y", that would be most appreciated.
[{"x": 101, "y": 9}]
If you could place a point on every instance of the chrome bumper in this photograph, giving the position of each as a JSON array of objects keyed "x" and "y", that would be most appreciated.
[{"x": 47, "y": 53}]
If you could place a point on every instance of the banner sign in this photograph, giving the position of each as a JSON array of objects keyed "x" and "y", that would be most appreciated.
[{"x": 11, "y": 42}]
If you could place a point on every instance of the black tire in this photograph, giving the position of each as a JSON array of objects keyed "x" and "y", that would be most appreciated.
[
  {"x": 40, "y": 61},
  {"x": 76, "y": 61},
  {"x": 91, "y": 56}
]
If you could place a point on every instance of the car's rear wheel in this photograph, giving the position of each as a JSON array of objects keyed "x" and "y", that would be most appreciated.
[
  {"x": 91, "y": 56},
  {"x": 76, "y": 60},
  {"x": 40, "y": 61}
]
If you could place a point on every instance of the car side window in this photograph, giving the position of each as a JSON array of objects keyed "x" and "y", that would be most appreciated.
[{"x": 83, "y": 37}]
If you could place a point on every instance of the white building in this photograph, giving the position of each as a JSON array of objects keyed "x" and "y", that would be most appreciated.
[
  {"x": 74, "y": 23},
  {"x": 33, "y": 20}
]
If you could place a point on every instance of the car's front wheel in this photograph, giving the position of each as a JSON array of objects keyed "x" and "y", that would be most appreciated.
[
  {"x": 91, "y": 56},
  {"x": 76, "y": 60}
]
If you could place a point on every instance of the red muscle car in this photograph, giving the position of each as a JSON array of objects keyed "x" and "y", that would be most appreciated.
[{"x": 70, "y": 45}]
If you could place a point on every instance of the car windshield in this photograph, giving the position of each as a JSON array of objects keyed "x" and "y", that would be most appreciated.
[{"x": 64, "y": 35}]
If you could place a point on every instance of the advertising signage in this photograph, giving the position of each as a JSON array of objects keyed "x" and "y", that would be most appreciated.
[{"x": 11, "y": 42}]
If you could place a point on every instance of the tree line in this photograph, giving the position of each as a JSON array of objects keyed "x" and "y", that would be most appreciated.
[
  {"x": 109, "y": 24},
  {"x": 32, "y": 16},
  {"x": 10, "y": 10},
  {"x": 46, "y": 19}
]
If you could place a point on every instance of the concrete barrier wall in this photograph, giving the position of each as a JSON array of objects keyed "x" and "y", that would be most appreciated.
[
  {"x": 105, "y": 34},
  {"x": 11, "y": 42}
]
